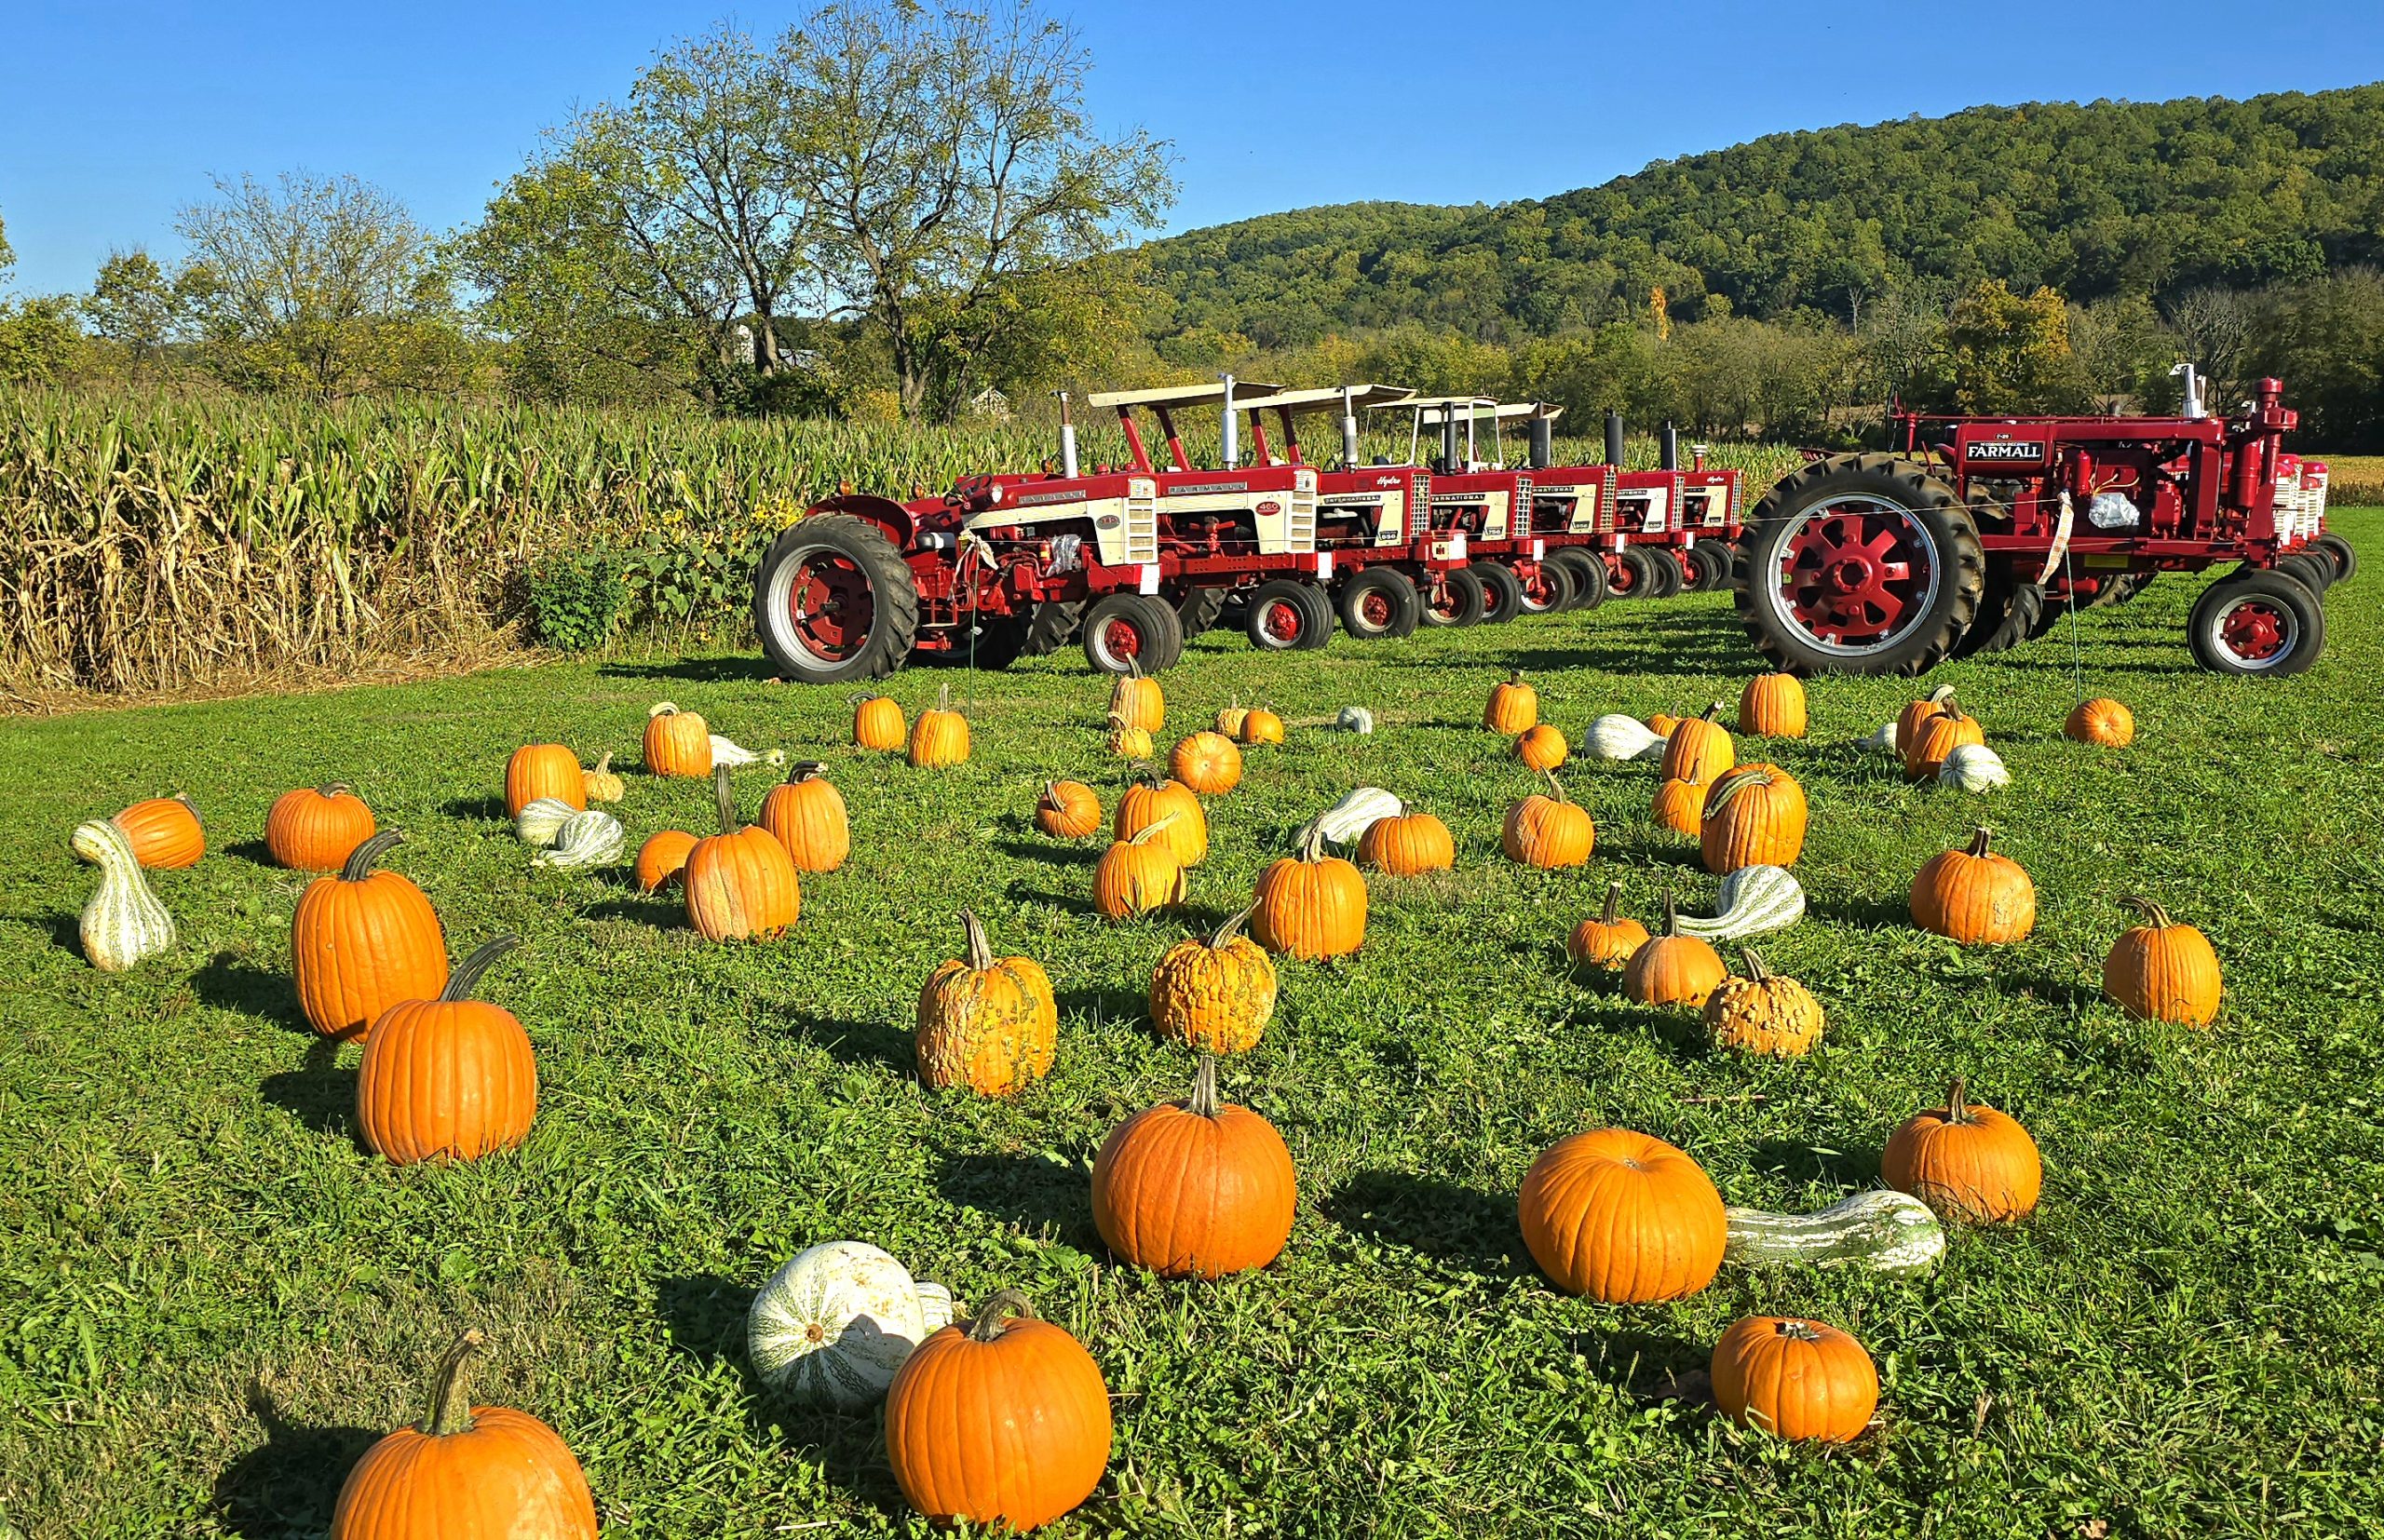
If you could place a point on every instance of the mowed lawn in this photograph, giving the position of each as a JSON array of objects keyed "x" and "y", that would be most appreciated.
[{"x": 216, "y": 1298}]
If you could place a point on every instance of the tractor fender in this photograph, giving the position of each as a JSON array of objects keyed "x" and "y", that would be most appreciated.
[{"x": 898, "y": 522}]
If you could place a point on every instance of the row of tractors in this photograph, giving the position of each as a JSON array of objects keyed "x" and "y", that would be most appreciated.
[{"x": 1973, "y": 535}]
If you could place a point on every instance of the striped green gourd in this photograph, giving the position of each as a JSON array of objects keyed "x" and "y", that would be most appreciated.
[
  {"x": 1753, "y": 899},
  {"x": 124, "y": 924},
  {"x": 1883, "y": 1231}
]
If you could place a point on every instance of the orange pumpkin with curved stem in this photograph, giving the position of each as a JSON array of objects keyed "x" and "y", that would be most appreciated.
[
  {"x": 661, "y": 858},
  {"x": 1755, "y": 815},
  {"x": 677, "y": 743},
  {"x": 315, "y": 829},
  {"x": 1914, "y": 712},
  {"x": 1622, "y": 1217},
  {"x": 1514, "y": 707},
  {"x": 2162, "y": 971},
  {"x": 986, "y": 1022},
  {"x": 1312, "y": 905},
  {"x": 877, "y": 724},
  {"x": 1542, "y": 747},
  {"x": 1153, "y": 799},
  {"x": 2102, "y": 721},
  {"x": 1672, "y": 969},
  {"x": 1067, "y": 810},
  {"x": 1208, "y": 762},
  {"x": 452, "y": 1078},
  {"x": 362, "y": 941},
  {"x": 1799, "y": 1379},
  {"x": 1608, "y": 940},
  {"x": 806, "y": 815},
  {"x": 1699, "y": 749},
  {"x": 165, "y": 832},
  {"x": 1661, "y": 724},
  {"x": 1215, "y": 993},
  {"x": 1680, "y": 806},
  {"x": 939, "y": 739},
  {"x": 1548, "y": 831},
  {"x": 1974, "y": 896},
  {"x": 1138, "y": 700},
  {"x": 1259, "y": 725},
  {"x": 1140, "y": 875},
  {"x": 467, "y": 1472},
  {"x": 741, "y": 883},
  {"x": 1938, "y": 736},
  {"x": 1195, "y": 1189},
  {"x": 1966, "y": 1161},
  {"x": 1407, "y": 843},
  {"x": 1772, "y": 706},
  {"x": 543, "y": 770}
]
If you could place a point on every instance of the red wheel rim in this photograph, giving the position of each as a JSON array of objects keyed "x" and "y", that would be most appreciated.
[
  {"x": 2256, "y": 630},
  {"x": 1622, "y": 580},
  {"x": 829, "y": 608},
  {"x": 1374, "y": 608},
  {"x": 1444, "y": 603},
  {"x": 1489, "y": 602},
  {"x": 1121, "y": 639},
  {"x": 1280, "y": 620},
  {"x": 1856, "y": 575},
  {"x": 1537, "y": 591}
]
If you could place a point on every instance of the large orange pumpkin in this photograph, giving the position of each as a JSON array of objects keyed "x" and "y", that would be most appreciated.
[
  {"x": 877, "y": 724},
  {"x": 1067, "y": 810},
  {"x": 2102, "y": 721},
  {"x": 677, "y": 743},
  {"x": 363, "y": 941},
  {"x": 315, "y": 829},
  {"x": 1195, "y": 1189},
  {"x": 739, "y": 882},
  {"x": 543, "y": 770},
  {"x": 2162, "y": 971},
  {"x": 165, "y": 832},
  {"x": 1312, "y": 905},
  {"x": 448, "y": 1079},
  {"x": 939, "y": 739},
  {"x": 1699, "y": 749},
  {"x": 1208, "y": 762},
  {"x": 661, "y": 858},
  {"x": 467, "y": 1472},
  {"x": 986, "y": 1022},
  {"x": 1772, "y": 706},
  {"x": 1139, "y": 875},
  {"x": 1607, "y": 940},
  {"x": 1006, "y": 1382},
  {"x": 1672, "y": 969},
  {"x": 806, "y": 815},
  {"x": 1755, "y": 815},
  {"x": 1974, "y": 896},
  {"x": 1215, "y": 993},
  {"x": 1622, "y": 1217},
  {"x": 1151, "y": 800},
  {"x": 1549, "y": 831},
  {"x": 1940, "y": 733},
  {"x": 1514, "y": 707},
  {"x": 1797, "y": 1379},
  {"x": 1964, "y": 1160},
  {"x": 1407, "y": 843}
]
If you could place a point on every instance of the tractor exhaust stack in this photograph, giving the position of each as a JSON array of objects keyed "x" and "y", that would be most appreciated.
[
  {"x": 1667, "y": 448},
  {"x": 1349, "y": 429},
  {"x": 1228, "y": 439},
  {"x": 1450, "y": 464},
  {"x": 1614, "y": 438},
  {"x": 1067, "y": 437},
  {"x": 1543, "y": 440},
  {"x": 2192, "y": 407}
]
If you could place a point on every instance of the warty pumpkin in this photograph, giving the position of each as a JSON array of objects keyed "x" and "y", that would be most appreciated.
[
  {"x": 1609, "y": 939},
  {"x": 1763, "y": 1012},
  {"x": 1407, "y": 843},
  {"x": 452, "y": 1078},
  {"x": 1699, "y": 749},
  {"x": 1067, "y": 810},
  {"x": 1622, "y": 1217},
  {"x": 986, "y": 1022},
  {"x": 1139, "y": 875},
  {"x": 739, "y": 882},
  {"x": 1671, "y": 968},
  {"x": 1230, "y": 719},
  {"x": 1680, "y": 806},
  {"x": 677, "y": 743},
  {"x": 123, "y": 924},
  {"x": 1755, "y": 815},
  {"x": 1939, "y": 733},
  {"x": 1215, "y": 993},
  {"x": 1514, "y": 707},
  {"x": 1195, "y": 1189},
  {"x": 1009, "y": 1381},
  {"x": 1139, "y": 701},
  {"x": 315, "y": 829},
  {"x": 1311, "y": 905},
  {"x": 467, "y": 1472},
  {"x": 1964, "y": 1160},
  {"x": 1549, "y": 831},
  {"x": 2102, "y": 721},
  {"x": 1797, "y": 1379},
  {"x": 661, "y": 858},
  {"x": 600, "y": 784},
  {"x": 543, "y": 770},
  {"x": 165, "y": 832},
  {"x": 2161, "y": 970},
  {"x": 362, "y": 941},
  {"x": 806, "y": 815},
  {"x": 1772, "y": 706},
  {"x": 939, "y": 739},
  {"x": 1128, "y": 741},
  {"x": 877, "y": 724},
  {"x": 1974, "y": 896},
  {"x": 1542, "y": 747},
  {"x": 1152, "y": 799},
  {"x": 1259, "y": 725},
  {"x": 1206, "y": 761}
]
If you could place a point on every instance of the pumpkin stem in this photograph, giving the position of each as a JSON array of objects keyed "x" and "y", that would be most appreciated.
[
  {"x": 194, "y": 809},
  {"x": 981, "y": 952},
  {"x": 1982, "y": 839},
  {"x": 1948, "y": 706},
  {"x": 1755, "y": 971},
  {"x": 724, "y": 797},
  {"x": 1162, "y": 822},
  {"x": 2154, "y": 915},
  {"x": 1941, "y": 695},
  {"x": 1225, "y": 933},
  {"x": 335, "y": 788},
  {"x": 605, "y": 765},
  {"x": 450, "y": 1401},
  {"x": 1801, "y": 1330},
  {"x": 1613, "y": 904},
  {"x": 467, "y": 975},
  {"x": 803, "y": 770},
  {"x": 360, "y": 860},
  {"x": 1713, "y": 712},
  {"x": 661, "y": 709},
  {"x": 999, "y": 1312},
  {"x": 1204, "y": 1101},
  {"x": 1312, "y": 842},
  {"x": 1672, "y": 913},
  {"x": 1555, "y": 785},
  {"x": 1957, "y": 1107},
  {"x": 943, "y": 697}
]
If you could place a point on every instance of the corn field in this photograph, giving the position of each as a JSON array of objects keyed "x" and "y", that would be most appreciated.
[{"x": 155, "y": 543}]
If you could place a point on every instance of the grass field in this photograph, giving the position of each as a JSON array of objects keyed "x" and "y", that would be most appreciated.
[{"x": 217, "y": 1298}]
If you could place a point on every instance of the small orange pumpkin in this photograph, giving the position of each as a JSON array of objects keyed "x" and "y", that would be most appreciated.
[
  {"x": 1772, "y": 706},
  {"x": 806, "y": 815},
  {"x": 316, "y": 830},
  {"x": 1261, "y": 727},
  {"x": 165, "y": 832},
  {"x": 1622, "y": 1217},
  {"x": 1548, "y": 831},
  {"x": 661, "y": 858},
  {"x": 1514, "y": 707},
  {"x": 2162, "y": 971},
  {"x": 1939, "y": 734},
  {"x": 1680, "y": 806},
  {"x": 362, "y": 941},
  {"x": 1139, "y": 874},
  {"x": 543, "y": 770},
  {"x": 1607, "y": 940},
  {"x": 1966, "y": 1160},
  {"x": 1151, "y": 800},
  {"x": 1797, "y": 1379},
  {"x": 1206, "y": 761},
  {"x": 1195, "y": 1189},
  {"x": 452, "y": 1078},
  {"x": 2102, "y": 721},
  {"x": 877, "y": 724},
  {"x": 1407, "y": 843},
  {"x": 1067, "y": 810},
  {"x": 677, "y": 743},
  {"x": 1542, "y": 747},
  {"x": 1755, "y": 815},
  {"x": 1672, "y": 969},
  {"x": 939, "y": 739},
  {"x": 1662, "y": 724},
  {"x": 989, "y": 1023},
  {"x": 1974, "y": 896},
  {"x": 1312, "y": 905},
  {"x": 1699, "y": 749},
  {"x": 1914, "y": 712},
  {"x": 741, "y": 883}
]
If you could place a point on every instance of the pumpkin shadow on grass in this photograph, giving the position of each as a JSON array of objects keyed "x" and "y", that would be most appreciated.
[
  {"x": 485, "y": 809},
  {"x": 229, "y": 983},
  {"x": 319, "y": 1093},
  {"x": 251, "y": 851},
  {"x": 290, "y": 1485},
  {"x": 1854, "y": 1166},
  {"x": 1074, "y": 903},
  {"x": 1039, "y": 1196},
  {"x": 1647, "y": 1366},
  {"x": 1098, "y": 1004},
  {"x": 1050, "y": 854},
  {"x": 852, "y": 1041},
  {"x": 1472, "y": 1230}
]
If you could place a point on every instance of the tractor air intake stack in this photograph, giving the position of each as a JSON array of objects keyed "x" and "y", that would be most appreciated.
[
  {"x": 1348, "y": 429},
  {"x": 1228, "y": 439},
  {"x": 1614, "y": 438},
  {"x": 1067, "y": 437},
  {"x": 1668, "y": 448},
  {"x": 1543, "y": 440}
]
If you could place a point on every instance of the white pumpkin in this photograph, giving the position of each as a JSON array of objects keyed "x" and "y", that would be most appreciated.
[
  {"x": 1355, "y": 719},
  {"x": 836, "y": 1323},
  {"x": 726, "y": 753},
  {"x": 1616, "y": 736},
  {"x": 541, "y": 820},
  {"x": 593, "y": 838},
  {"x": 1973, "y": 767},
  {"x": 1883, "y": 741},
  {"x": 1346, "y": 821},
  {"x": 1753, "y": 899},
  {"x": 124, "y": 924}
]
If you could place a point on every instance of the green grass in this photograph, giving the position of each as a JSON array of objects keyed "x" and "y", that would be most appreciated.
[{"x": 217, "y": 1297}]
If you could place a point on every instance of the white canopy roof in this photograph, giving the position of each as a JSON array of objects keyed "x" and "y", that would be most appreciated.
[
  {"x": 1179, "y": 395},
  {"x": 1322, "y": 397}
]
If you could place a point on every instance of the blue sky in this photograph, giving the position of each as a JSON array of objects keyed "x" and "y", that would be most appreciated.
[{"x": 112, "y": 117}]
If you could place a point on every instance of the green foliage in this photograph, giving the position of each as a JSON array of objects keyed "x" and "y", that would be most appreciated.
[
  {"x": 576, "y": 598},
  {"x": 2010, "y": 353},
  {"x": 38, "y": 340}
]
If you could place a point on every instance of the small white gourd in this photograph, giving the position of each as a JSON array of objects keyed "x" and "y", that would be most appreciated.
[
  {"x": 1355, "y": 719},
  {"x": 1346, "y": 821},
  {"x": 1616, "y": 736},
  {"x": 1883, "y": 741},
  {"x": 1753, "y": 899},
  {"x": 836, "y": 1323},
  {"x": 593, "y": 838},
  {"x": 726, "y": 753},
  {"x": 1973, "y": 767},
  {"x": 124, "y": 924},
  {"x": 541, "y": 820}
]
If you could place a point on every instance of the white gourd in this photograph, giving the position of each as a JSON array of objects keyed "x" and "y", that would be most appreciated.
[
  {"x": 541, "y": 820},
  {"x": 1355, "y": 719},
  {"x": 1346, "y": 821},
  {"x": 1973, "y": 767},
  {"x": 124, "y": 924},
  {"x": 1883, "y": 741},
  {"x": 593, "y": 838},
  {"x": 836, "y": 1323},
  {"x": 1753, "y": 899},
  {"x": 1883, "y": 1231},
  {"x": 1616, "y": 736},
  {"x": 726, "y": 753}
]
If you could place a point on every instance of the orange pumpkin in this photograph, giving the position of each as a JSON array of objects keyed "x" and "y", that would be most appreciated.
[
  {"x": 877, "y": 724},
  {"x": 1772, "y": 706},
  {"x": 1514, "y": 707},
  {"x": 1672, "y": 969},
  {"x": 1548, "y": 831},
  {"x": 1139, "y": 875},
  {"x": 1195, "y": 1189},
  {"x": 1128, "y": 741},
  {"x": 1407, "y": 843},
  {"x": 1208, "y": 762},
  {"x": 1914, "y": 712},
  {"x": 467, "y": 1472},
  {"x": 1608, "y": 940},
  {"x": 363, "y": 941},
  {"x": 677, "y": 743},
  {"x": 316, "y": 831},
  {"x": 1763, "y": 1012},
  {"x": 543, "y": 770},
  {"x": 1699, "y": 749},
  {"x": 1067, "y": 810},
  {"x": 1797, "y": 1379},
  {"x": 1680, "y": 806},
  {"x": 1755, "y": 815},
  {"x": 739, "y": 882},
  {"x": 1939, "y": 734},
  {"x": 2102, "y": 721},
  {"x": 1151, "y": 800},
  {"x": 939, "y": 739},
  {"x": 1007, "y": 1381},
  {"x": 1138, "y": 701},
  {"x": 1662, "y": 726},
  {"x": 661, "y": 858},
  {"x": 1542, "y": 747},
  {"x": 1215, "y": 993},
  {"x": 451, "y": 1078},
  {"x": 989, "y": 1023},
  {"x": 1311, "y": 906},
  {"x": 1622, "y": 1217},
  {"x": 165, "y": 832},
  {"x": 2162, "y": 971},
  {"x": 1966, "y": 1161},
  {"x": 1261, "y": 727},
  {"x": 1974, "y": 896},
  {"x": 806, "y": 815}
]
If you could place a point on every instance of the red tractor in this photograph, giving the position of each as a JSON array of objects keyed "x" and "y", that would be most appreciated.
[
  {"x": 1976, "y": 530},
  {"x": 1658, "y": 532}
]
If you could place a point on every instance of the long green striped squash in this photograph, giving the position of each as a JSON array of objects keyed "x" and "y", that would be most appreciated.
[
  {"x": 1754, "y": 899},
  {"x": 1883, "y": 1231}
]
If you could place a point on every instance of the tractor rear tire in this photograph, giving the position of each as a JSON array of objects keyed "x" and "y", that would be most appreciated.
[
  {"x": 1588, "y": 574},
  {"x": 2260, "y": 624},
  {"x": 1887, "y": 568},
  {"x": 1638, "y": 578},
  {"x": 1502, "y": 592},
  {"x": 1547, "y": 590},
  {"x": 861, "y": 609},
  {"x": 1125, "y": 631},
  {"x": 1458, "y": 601},
  {"x": 2009, "y": 613},
  {"x": 1279, "y": 618},
  {"x": 1380, "y": 605},
  {"x": 2340, "y": 551},
  {"x": 2118, "y": 589},
  {"x": 1198, "y": 610},
  {"x": 1320, "y": 615},
  {"x": 1053, "y": 626},
  {"x": 1670, "y": 578}
]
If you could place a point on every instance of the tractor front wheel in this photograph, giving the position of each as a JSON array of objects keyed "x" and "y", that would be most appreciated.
[
  {"x": 1588, "y": 574},
  {"x": 2338, "y": 550},
  {"x": 1127, "y": 631},
  {"x": 1455, "y": 599},
  {"x": 1380, "y": 603},
  {"x": 2258, "y": 623},
  {"x": 1547, "y": 588},
  {"x": 1279, "y": 620},
  {"x": 1632, "y": 574},
  {"x": 1502, "y": 592},
  {"x": 833, "y": 600},
  {"x": 1713, "y": 563}
]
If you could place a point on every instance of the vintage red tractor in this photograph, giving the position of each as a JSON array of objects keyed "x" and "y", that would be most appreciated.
[{"x": 1976, "y": 532}]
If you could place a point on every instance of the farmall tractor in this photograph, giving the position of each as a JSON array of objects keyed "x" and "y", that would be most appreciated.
[{"x": 1976, "y": 532}]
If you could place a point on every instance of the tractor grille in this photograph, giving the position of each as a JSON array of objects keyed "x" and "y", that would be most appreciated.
[
  {"x": 1141, "y": 520},
  {"x": 1301, "y": 531}
]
